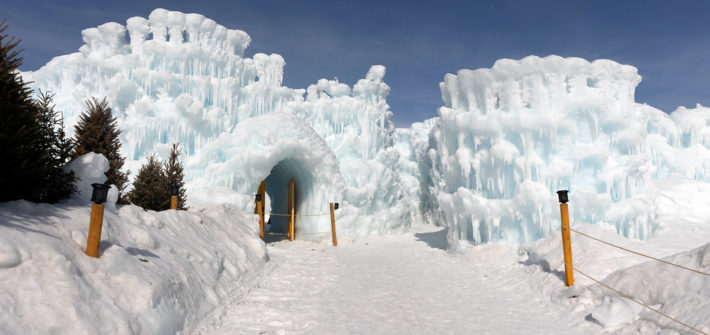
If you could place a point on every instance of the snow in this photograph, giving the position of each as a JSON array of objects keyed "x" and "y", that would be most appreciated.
[
  {"x": 158, "y": 272},
  {"x": 398, "y": 284},
  {"x": 682, "y": 238},
  {"x": 89, "y": 169}
]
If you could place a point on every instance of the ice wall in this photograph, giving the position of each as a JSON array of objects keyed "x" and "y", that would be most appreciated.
[
  {"x": 172, "y": 77},
  {"x": 176, "y": 77},
  {"x": 355, "y": 123},
  {"x": 508, "y": 137},
  {"x": 414, "y": 166}
]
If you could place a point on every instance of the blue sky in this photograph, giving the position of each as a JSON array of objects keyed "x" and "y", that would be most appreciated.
[{"x": 419, "y": 42}]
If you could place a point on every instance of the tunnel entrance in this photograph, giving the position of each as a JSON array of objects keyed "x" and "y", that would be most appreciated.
[{"x": 284, "y": 196}]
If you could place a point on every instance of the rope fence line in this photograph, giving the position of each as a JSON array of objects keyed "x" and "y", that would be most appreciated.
[
  {"x": 276, "y": 234},
  {"x": 637, "y": 301},
  {"x": 280, "y": 214},
  {"x": 640, "y": 254},
  {"x": 286, "y": 234}
]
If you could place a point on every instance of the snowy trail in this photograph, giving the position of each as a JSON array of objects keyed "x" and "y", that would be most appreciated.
[{"x": 401, "y": 284}]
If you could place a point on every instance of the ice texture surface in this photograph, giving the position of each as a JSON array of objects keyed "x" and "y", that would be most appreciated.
[
  {"x": 176, "y": 77},
  {"x": 506, "y": 138},
  {"x": 509, "y": 137}
]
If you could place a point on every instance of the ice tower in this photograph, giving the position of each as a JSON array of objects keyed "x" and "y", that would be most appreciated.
[
  {"x": 508, "y": 137},
  {"x": 176, "y": 77}
]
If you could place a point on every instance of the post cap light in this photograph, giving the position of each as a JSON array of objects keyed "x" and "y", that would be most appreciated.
[
  {"x": 99, "y": 193},
  {"x": 336, "y": 205},
  {"x": 258, "y": 197},
  {"x": 174, "y": 189},
  {"x": 562, "y": 194}
]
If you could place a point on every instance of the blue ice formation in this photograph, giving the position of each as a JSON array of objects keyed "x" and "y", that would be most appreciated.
[{"x": 487, "y": 167}]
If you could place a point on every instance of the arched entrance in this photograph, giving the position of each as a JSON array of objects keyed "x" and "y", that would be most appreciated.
[
  {"x": 273, "y": 148},
  {"x": 282, "y": 194}
]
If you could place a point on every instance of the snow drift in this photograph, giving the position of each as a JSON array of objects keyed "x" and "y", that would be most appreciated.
[{"x": 150, "y": 277}]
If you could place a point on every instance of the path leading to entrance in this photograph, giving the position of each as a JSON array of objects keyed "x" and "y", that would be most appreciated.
[{"x": 401, "y": 284}]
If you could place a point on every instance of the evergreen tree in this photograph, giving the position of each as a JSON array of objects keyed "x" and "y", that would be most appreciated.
[
  {"x": 22, "y": 167},
  {"x": 97, "y": 131},
  {"x": 57, "y": 148},
  {"x": 174, "y": 174},
  {"x": 150, "y": 188}
]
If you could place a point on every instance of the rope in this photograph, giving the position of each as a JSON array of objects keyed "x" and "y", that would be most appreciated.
[
  {"x": 640, "y": 254},
  {"x": 638, "y": 302},
  {"x": 277, "y": 234},
  {"x": 280, "y": 214}
]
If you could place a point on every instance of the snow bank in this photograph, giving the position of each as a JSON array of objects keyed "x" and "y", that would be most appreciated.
[
  {"x": 682, "y": 238},
  {"x": 510, "y": 136},
  {"x": 89, "y": 169},
  {"x": 158, "y": 272},
  {"x": 685, "y": 298}
]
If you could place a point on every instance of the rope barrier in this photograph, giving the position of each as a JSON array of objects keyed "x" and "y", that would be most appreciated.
[
  {"x": 280, "y": 214},
  {"x": 640, "y": 254},
  {"x": 638, "y": 302},
  {"x": 277, "y": 234},
  {"x": 286, "y": 234}
]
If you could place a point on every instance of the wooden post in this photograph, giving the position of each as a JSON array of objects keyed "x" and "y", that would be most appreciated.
[
  {"x": 259, "y": 209},
  {"x": 292, "y": 209},
  {"x": 332, "y": 225},
  {"x": 97, "y": 217},
  {"x": 262, "y": 191},
  {"x": 566, "y": 245},
  {"x": 173, "y": 202}
]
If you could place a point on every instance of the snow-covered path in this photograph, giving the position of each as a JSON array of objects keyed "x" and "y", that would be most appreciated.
[{"x": 400, "y": 284}]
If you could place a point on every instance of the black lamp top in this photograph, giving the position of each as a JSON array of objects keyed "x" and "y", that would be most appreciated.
[
  {"x": 174, "y": 189},
  {"x": 99, "y": 193},
  {"x": 562, "y": 194},
  {"x": 336, "y": 205}
]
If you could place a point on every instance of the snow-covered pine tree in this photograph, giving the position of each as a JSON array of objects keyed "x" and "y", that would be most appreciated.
[
  {"x": 174, "y": 174},
  {"x": 97, "y": 131},
  {"x": 57, "y": 148},
  {"x": 150, "y": 188}
]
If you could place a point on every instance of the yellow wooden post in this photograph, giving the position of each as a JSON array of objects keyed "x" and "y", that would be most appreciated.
[
  {"x": 262, "y": 192},
  {"x": 292, "y": 209},
  {"x": 95, "y": 222},
  {"x": 566, "y": 242},
  {"x": 332, "y": 225},
  {"x": 173, "y": 202},
  {"x": 259, "y": 210}
]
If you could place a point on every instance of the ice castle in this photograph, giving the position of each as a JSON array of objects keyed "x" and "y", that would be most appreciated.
[{"x": 488, "y": 166}]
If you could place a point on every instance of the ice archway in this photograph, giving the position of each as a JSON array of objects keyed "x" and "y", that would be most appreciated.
[{"x": 275, "y": 147}]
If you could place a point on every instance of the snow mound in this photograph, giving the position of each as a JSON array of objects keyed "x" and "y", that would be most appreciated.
[
  {"x": 687, "y": 300},
  {"x": 88, "y": 169},
  {"x": 150, "y": 277},
  {"x": 615, "y": 311}
]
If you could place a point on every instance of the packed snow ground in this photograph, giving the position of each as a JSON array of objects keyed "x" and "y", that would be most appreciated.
[
  {"x": 398, "y": 284},
  {"x": 408, "y": 284}
]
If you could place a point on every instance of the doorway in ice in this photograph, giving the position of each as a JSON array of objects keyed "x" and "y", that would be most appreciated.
[{"x": 285, "y": 188}]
